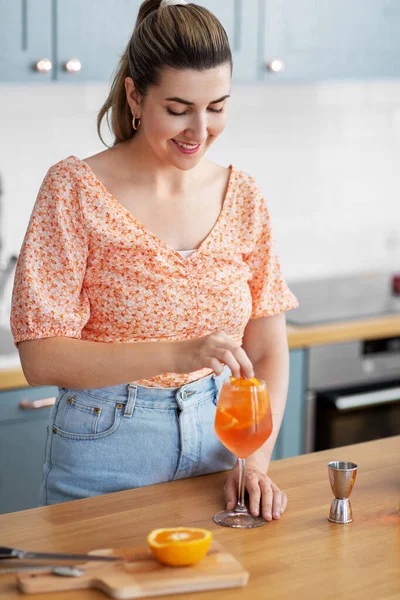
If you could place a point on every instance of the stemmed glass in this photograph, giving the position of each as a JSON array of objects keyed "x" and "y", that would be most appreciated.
[{"x": 243, "y": 422}]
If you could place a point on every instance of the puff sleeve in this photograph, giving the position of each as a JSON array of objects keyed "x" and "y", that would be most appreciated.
[
  {"x": 49, "y": 298},
  {"x": 269, "y": 291}
]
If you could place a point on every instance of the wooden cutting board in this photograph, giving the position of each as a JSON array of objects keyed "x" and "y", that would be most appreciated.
[{"x": 140, "y": 575}]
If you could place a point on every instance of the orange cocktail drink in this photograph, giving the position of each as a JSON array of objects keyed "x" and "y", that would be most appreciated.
[{"x": 243, "y": 422}]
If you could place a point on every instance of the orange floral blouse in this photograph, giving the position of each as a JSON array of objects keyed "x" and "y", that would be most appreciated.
[{"x": 89, "y": 270}]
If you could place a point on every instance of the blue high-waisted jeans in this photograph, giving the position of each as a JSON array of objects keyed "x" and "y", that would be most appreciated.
[{"x": 126, "y": 436}]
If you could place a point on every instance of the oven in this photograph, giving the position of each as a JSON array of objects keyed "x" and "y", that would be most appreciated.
[{"x": 353, "y": 393}]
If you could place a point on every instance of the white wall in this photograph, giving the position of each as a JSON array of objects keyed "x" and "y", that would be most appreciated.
[{"x": 326, "y": 156}]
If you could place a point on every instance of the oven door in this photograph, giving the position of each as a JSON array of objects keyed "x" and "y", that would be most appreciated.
[{"x": 350, "y": 416}]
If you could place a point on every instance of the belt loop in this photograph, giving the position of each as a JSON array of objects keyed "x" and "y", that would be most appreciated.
[
  {"x": 219, "y": 379},
  {"x": 217, "y": 383},
  {"x": 130, "y": 405},
  {"x": 181, "y": 397}
]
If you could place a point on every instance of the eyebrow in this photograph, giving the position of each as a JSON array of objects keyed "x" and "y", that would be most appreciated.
[{"x": 176, "y": 99}]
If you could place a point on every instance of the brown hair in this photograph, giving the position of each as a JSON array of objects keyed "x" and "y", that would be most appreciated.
[{"x": 183, "y": 36}]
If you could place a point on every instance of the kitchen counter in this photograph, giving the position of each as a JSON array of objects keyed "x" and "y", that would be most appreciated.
[
  {"x": 302, "y": 555},
  {"x": 298, "y": 337},
  {"x": 11, "y": 378},
  {"x": 332, "y": 333}
]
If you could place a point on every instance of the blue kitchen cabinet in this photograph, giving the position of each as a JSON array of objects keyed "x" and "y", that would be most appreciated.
[
  {"x": 22, "y": 444},
  {"x": 93, "y": 34},
  {"x": 97, "y": 38},
  {"x": 291, "y": 436},
  {"x": 323, "y": 39},
  {"x": 84, "y": 40},
  {"x": 25, "y": 39},
  {"x": 240, "y": 19}
]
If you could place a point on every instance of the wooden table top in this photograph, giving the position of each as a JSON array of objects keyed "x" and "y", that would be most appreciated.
[{"x": 301, "y": 556}]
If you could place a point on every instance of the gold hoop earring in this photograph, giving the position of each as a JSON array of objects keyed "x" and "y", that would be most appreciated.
[{"x": 135, "y": 125}]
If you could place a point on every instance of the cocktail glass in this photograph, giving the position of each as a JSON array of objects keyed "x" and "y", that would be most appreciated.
[{"x": 243, "y": 422}]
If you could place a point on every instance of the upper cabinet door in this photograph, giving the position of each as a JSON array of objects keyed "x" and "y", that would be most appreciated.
[
  {"x": 91, "y": 37},
  {"x": 25, "y": 40},
  {"x": 322, "y": 39},
  {"x": 240, "y": 19}
]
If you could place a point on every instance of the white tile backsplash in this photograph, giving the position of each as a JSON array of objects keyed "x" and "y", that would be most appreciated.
[{"x": 326, "y": 156}]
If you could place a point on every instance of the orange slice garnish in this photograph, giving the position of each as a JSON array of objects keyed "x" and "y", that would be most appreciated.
[
  {"x": 179, "y": 546},
  {"x": 247, "y": 410},
  {"x": 224, "y": 420},
  {"x": 241, "y": 382}
]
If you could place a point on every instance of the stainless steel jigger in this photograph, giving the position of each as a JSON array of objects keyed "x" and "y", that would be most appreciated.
[{"x": 342, "y": 476}]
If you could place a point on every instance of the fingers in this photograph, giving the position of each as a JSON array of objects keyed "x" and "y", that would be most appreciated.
[
  {"x": 230, "y": 493},
  {"x": 232, "y": 354},
  {"x": 254, "y": 491},
  {"x": 245, "y": 363},
  {"x": 229, "y": 359},
  {"x": 283, "y": 503},
  {"x": 276, "y": 502},
  {"x": 262, "y": 492},
  {"x": 273, "y": 500},
  {"x": 267, "y": 496},
  {"x": 215, "y": 365}
]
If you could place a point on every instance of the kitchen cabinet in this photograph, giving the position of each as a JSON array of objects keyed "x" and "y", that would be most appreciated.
[
  {"x": 25, "y": 38},
  {"x": 63, "y": 40},
  {"x": 22, "y": 444},
  {"x": 319, "y": 39},
  {"x": 291, "y": 436},
  {"x": 82, "y": 41},
  {"x": 241, "y": 22},
  {"x": 94, "y": 35}
]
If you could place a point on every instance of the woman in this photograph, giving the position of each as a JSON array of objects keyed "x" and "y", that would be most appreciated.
[{"x": 149, "y": 264}]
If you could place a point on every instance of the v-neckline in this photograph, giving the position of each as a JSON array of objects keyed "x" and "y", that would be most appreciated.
[{"x": 184, "y": 259}]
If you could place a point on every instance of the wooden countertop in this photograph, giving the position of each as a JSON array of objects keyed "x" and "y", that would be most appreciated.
[
  {"x": 302, "y": 555},
  {"x": 12, "y": 378},
  {"x": 298, "y": 337},
  {"x": 333, "y": 333}
]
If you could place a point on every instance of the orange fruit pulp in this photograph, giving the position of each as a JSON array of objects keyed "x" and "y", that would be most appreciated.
[
  {"x": 179, "y": 546},
  {"x": 243, "y": 419}
]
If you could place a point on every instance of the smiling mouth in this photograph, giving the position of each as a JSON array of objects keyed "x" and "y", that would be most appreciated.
[{"x": 186, "y": 146}]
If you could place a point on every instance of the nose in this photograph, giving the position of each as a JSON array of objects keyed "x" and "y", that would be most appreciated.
[{"x": 198, "y": 128}]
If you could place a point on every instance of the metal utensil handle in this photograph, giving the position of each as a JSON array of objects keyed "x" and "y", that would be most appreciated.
[
  {"x": 351, "y": 401},
  {"x": 15, "y": 553},
  {"x": 27, "y": 569},
  {"x": 35, "y": 404},
  {"x": 6, "y": 552}
]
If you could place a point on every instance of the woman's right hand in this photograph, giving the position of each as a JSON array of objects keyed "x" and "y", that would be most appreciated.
[{"x": 212, "y": 351}]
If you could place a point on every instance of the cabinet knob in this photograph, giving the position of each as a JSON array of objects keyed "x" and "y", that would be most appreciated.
[
  {"x": 275, "y": 65},
  {"x": 73, "y": 65},
  {"x": 44, "y": 65}
]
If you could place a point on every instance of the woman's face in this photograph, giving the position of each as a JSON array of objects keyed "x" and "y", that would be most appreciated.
[{"x": 184, "y": 114}]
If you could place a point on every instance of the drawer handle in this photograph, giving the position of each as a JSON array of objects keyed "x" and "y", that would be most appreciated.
[
  {"x": 43, "y": 403},
  {"x": 73, "y": 65},
  {"x": 44, "y": 65},
  {"x": 276, "y": 65}
]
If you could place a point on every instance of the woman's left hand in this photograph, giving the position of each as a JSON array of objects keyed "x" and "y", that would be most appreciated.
[{"x": 264, "y": 495}]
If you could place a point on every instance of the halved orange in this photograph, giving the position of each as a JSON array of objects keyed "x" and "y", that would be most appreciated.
[{"x": 179, "y": 546}]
